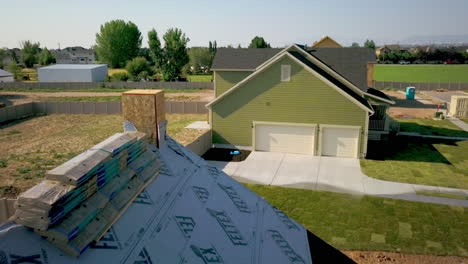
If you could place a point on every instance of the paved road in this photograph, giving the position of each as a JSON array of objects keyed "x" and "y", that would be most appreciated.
[{"x": 329, "y": 174}]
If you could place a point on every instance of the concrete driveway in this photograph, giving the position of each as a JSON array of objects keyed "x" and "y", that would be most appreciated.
[{"x": 326, "y": 173}]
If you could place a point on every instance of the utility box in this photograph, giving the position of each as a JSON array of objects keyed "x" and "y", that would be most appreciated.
[
  {"x": 459, "y": 106},
  {"x": 410, "y": 93},
  {"x": 145, "y": 109}
]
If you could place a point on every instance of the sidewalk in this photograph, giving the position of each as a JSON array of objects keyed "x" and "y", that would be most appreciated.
[
  {"x": 459, "y": 123},
  {"x": 342, "y": 175}
]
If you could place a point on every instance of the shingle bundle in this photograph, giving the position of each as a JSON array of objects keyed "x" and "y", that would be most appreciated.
[{"x": 80, "y": 199}]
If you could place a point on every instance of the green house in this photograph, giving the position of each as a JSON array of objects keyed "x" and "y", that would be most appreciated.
[{"x": 297, "y": 100}]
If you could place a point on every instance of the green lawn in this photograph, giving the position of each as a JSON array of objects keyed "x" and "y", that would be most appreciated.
[
  {"x": 431, "y": 127},
  {"x": 421, "y": 73},
  {"x": 419, "y": 161},
  {"x": 200, "y": 78},
  {"x": 369, "y": 223}
]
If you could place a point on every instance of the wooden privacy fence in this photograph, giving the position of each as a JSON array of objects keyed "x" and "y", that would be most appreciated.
[
  {"x": 11, "y": 113},
  {"x": 97, "y": 85},
  {"x": 453, "y": 86}
]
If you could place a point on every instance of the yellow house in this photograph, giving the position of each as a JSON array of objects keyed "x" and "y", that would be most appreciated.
[{"x": 326, "y": 42}]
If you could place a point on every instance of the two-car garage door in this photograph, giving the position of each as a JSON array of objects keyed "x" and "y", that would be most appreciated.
[
  {"x": 337, "y": 141},
  {"x": 288, "y": 138}
]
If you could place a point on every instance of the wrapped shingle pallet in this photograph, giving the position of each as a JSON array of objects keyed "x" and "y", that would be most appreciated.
[{"x": 81, "y": 198}]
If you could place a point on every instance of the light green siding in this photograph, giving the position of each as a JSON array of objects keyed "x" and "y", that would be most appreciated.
[
  {"x": 227, "y": 79},
  {"x": 305, "y": 99}
]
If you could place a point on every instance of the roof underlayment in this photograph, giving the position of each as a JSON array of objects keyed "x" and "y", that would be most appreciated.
[{"x": 191, "y": 213}]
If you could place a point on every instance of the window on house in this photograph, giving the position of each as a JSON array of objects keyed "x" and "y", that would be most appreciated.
[{"x": 285, "y": 73}]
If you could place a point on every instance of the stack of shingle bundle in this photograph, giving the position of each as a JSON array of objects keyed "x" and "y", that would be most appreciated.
[{"x": 80, "y": 199}]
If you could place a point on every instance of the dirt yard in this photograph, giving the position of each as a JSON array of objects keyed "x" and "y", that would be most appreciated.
[
  {"x": 421, "y": 109},
  {"x": 373, "y": 257},
  {"x": 33, "y": 146},
  {"x": 14, "y": 98}
]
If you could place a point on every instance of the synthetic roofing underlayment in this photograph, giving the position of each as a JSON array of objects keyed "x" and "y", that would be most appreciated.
[{"x": 191, "y": 213}]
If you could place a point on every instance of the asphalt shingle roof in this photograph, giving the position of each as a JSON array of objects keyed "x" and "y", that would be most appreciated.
[
  {"x": 242, "y": 59},
  {"x": 332, "y": 79},
  {"x": 351, "y": 63}
]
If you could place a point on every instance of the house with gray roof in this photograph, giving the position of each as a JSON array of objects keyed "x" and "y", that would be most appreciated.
[
  {"x": 75, "y": 55},
  {"x": 6, "y": 76},
  {"x": 302, "y": 100}
]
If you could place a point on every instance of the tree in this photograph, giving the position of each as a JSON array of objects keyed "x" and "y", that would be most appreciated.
[
  {"x": 369, "y": 44},
  {"x": 199, "y": 58},
  {"x": 16, "y": 70},
  {"x": 259, "y": 43},
  {"x": 46, "y": 57},
  {"x": 355, "y": 45},
  {"x": 175, "y": 54},
  {"x": 213, "y": 48},
  {"x": 3, "y": 55},
  {"x": 155, "y": 48},
  {"x": 29, "y": 53},
  {"x": 138, "y": 68},
  {"x": 118, "y": 42}
]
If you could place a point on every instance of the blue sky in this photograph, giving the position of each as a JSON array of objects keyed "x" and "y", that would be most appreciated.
[{"x": 233, "y": 22}]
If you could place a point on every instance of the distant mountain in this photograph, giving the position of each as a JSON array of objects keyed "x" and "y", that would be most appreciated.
[{"x": 436, "y": 39}]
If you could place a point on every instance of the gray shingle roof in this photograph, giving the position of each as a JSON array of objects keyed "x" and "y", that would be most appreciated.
[
  {"x": 241, "y": 59},
  {"x": 332, "y": 79},
  {"x": 351, "y": 63}
]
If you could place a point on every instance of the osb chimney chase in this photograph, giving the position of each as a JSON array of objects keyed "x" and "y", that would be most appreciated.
[{"x": 145, "y": 109}]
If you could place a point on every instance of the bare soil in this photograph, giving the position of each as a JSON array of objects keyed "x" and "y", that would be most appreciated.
[
  {"x": 14, "y": 98},
  {"x": 372, "y": 257},
  {"x": 411, "y": 109}
]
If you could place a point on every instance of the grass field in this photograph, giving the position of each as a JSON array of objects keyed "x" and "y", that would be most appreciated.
[
  {"x": 369, "y": 223},
  {"x": 30, "y": 147},
  {"x": 431, "y": 127},
  {"x": 419, "y": 161},
  {"x": 421, "y": 73},
  {"x": 200, "y": 78},
  {"x": 112, "y": 71}
]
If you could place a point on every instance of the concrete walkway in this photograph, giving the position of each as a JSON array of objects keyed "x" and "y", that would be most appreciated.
[
  {"x": 328, "y": 174},
  {"x": 462, "y": 125}
]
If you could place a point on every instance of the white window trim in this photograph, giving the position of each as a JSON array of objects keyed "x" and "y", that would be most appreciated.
[{"x": 285, "y": 68}]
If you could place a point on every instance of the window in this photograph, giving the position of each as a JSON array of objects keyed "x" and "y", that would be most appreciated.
[{"x": 285, "y": 73}]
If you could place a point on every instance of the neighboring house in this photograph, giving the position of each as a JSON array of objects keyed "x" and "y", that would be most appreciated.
[
  {"x": 296, "y": 100},
  {"x": 75, "y": 55},
  {"x": 387, "y": 49},
  {"x": 6, "y": 76},
  {"x": 73, "y": 73},
  {"x": 326, "y": 42},
  {"x": 11, "y": 55}
]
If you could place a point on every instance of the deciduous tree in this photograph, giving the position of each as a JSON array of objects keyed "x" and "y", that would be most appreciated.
[
  {"x": 29, "y": 53},
  {"x": 46, "y": 57},
  {"x": 369, "y": 44},
  {"x": 118, "y": 42},
  {"x": 259, "y": 43}
]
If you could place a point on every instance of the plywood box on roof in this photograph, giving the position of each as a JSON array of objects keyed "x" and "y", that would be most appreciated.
[{"x": 145, "y": 109}]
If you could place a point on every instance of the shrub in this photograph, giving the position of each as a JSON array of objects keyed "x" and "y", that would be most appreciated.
[
  {"x": 137, "y": 66},
  {"x": 120, "y": 77}
]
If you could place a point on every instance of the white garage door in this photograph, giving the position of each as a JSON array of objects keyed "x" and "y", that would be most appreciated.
[
  {"x": 285, "y": 138},
  {"x": 340, "y": 142}
]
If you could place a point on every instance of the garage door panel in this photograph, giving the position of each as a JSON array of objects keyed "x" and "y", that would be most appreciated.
[
  {"x": 340, "y": 142},
  {"x": 285, "y": 138}
]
